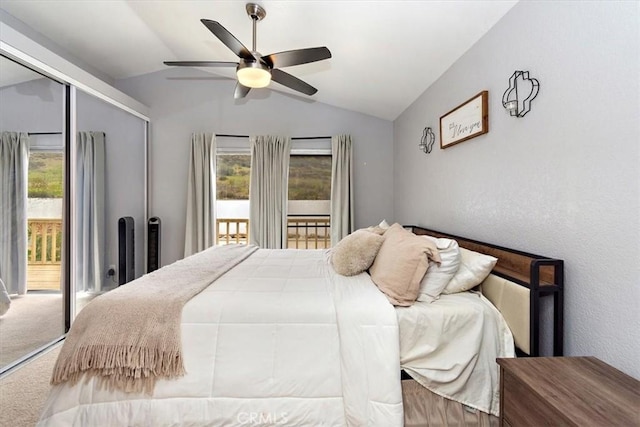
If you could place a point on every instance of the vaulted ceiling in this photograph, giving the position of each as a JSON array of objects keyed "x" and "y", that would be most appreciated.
[{"x": 384, "y": 53}]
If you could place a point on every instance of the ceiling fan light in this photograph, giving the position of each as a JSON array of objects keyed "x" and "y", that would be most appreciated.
[{"x": 254, "y": 77}]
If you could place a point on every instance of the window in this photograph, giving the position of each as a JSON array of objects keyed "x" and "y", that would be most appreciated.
[
  {"x": 310, "y": 177},
  {"x": 44, "y": 219},
  {"x": 309, "y": 201},
  {"x": 233, "y": 174},
  {"x": 45, "y": 175},
  {"x": 309, "y": 196},
  {"x": 232, "y": 197}
]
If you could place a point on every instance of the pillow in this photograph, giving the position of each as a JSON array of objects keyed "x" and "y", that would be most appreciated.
[
  {"x": 401, "y": 263},
  {"x": 439, "y": 275},
  {"x": 355, "y": 252},
  {"x": 384, "y": 225},
  {"x": 474, "y": 268},
  {"x": 380, "y": 228}
]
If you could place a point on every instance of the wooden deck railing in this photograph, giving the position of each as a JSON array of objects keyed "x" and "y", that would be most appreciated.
[
  {"x": 45, "y": 241},
  {"x": 303, "y": 232},
  {"x": 309, "y": 232},
  {"x": 44, "y": 253},
  {"x": 232, "y": 230}
]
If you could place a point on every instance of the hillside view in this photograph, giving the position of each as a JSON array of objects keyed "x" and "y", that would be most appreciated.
[
  {"x": 45, "y": 175},
  {"x": 309, "y": 177}
]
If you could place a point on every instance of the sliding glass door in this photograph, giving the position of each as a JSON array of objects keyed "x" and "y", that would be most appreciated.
[{"x": 32, "y": 184}]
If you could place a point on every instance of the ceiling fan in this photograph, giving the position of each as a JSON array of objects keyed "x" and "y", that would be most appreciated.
[{"x": 255, "y": 70}]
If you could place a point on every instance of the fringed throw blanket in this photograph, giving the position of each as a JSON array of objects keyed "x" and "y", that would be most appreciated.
[{"x": 130, "y": 337}]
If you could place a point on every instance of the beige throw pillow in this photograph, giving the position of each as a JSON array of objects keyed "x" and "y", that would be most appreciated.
[
  {"x": 439, "y": 275},
  {"x": 355, "y": 253},
  {"x": 401, "y": 263},
  {"x": 474, "y": 268}
]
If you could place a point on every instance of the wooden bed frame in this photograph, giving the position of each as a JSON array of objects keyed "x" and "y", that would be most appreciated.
[{"x": 515, "y": 286}]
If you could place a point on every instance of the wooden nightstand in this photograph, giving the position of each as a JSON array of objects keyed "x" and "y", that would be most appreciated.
[{"x": 566, "y": 391}]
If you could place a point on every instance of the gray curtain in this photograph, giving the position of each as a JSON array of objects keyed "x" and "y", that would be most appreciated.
[
  {"x": 89, "y": 211},
  {"x": 201, "y": 230},
  {"x": 342, "y": 219},
  {"x": 14, "y": 164},
  {"x": 268, "y": 191}
]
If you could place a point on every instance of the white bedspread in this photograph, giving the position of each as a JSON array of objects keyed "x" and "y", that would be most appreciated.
[
  {"x": 450, "y": 347},
  {"x": 279, "y": 340}
]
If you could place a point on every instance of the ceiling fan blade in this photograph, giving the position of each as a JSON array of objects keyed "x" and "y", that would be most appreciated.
[
  {"x": 201, "y": 63},
  {"x": 296, "y": 57},
  {"x": 228, "y": 39},
  {"x": 241, "y": 91},
  {"x": 292, "y": 82}
]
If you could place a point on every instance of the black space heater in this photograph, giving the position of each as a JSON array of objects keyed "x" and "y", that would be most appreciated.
[
  {"x": 153, "y": 244},
  {"x": 126, "y": 253}
]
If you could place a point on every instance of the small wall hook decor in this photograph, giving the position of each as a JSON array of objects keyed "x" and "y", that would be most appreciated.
[
  {"x": 427, "y": 140},
  {"x": 521, "y": 91}
]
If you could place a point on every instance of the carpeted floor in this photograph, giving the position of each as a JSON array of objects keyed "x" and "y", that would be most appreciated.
[
  {"x": 24, "y": 391},
  {"x": 33, "y": 320}
]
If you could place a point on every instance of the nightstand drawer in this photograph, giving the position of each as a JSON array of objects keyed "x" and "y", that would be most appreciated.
[{"x": 524, "y": 408}]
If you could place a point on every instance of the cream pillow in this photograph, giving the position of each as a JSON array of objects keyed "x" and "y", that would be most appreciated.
[
  {"x": 355, "y": 252},
  {"x": 401, "y": 263},
  {"x": 474, "y": 268},
  {"x": 439, "y": 275}
]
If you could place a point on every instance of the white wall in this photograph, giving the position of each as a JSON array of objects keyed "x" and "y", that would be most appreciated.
[
  {"x": 32, "y": 106},
  {"x": 180, "y": 107},
  {"x": 563, "y": 181}
]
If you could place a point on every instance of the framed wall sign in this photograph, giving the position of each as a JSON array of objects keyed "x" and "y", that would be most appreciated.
[{"x": 466, "y": 121}]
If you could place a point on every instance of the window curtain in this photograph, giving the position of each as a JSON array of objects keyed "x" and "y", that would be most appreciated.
[
  {"x": 342, "y": 219},
  {"x": 14, "y": 164},
  {"x": 268, "y": 191},
  {"x": 200, "y": 232},
  {"x": 89, "y": 211}
]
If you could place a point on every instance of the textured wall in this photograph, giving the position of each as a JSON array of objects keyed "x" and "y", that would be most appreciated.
[
  {"x": 180, "y": 107},
  {"x": 563, "y": 181}
]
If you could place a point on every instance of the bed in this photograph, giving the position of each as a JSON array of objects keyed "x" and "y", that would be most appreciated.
[{"x": 282, "y": 339}]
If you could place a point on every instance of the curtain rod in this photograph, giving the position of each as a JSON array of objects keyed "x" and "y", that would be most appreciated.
[
  {"x": 44, "y": 133},
  {"x": 293, "y": 138}
]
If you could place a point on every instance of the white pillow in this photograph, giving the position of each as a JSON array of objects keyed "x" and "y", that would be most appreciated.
[
  {"x": 378, "y": 229},
  {"x": 439, "y": 275},
  {"x": 474, "y": 268}
]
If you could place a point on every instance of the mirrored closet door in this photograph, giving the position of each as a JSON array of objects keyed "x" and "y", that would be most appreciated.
[
  {"x": 73, "y": 168},
  {"x": 109, "y": 198},
  {"x": 32, "y": 190}
]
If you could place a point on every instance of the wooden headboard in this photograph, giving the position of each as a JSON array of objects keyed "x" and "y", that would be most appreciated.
[{"x": 515, "y": 270}]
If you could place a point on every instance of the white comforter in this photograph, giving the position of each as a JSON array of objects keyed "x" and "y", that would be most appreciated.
[
  {"x": 450, "y": 346},
  {"x": 279, "y": 340}
]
